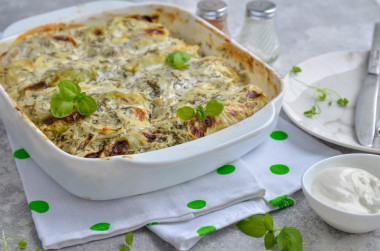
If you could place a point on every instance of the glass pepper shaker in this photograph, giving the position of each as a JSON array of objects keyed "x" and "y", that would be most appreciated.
[
  {"x": 259, "y": 34},
  {"x": 215, "y": 12}
]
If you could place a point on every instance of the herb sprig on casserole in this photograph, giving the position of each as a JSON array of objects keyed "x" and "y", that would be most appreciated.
[{"x": 124, "y": 65}]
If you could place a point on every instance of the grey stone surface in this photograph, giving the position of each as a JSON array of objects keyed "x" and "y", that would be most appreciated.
[{"x": 306, "y": 29}]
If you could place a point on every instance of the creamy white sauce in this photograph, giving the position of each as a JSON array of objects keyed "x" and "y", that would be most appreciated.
[{"x": 351, "y": 189}]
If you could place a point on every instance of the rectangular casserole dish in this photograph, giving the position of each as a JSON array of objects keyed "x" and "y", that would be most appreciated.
[{"x": 122, "y": 176}]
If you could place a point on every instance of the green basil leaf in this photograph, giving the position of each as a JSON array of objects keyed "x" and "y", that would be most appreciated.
[
  {"x": 282, "y": 202},
  {"x": 278, "y": 200},
  {"x": 69, "y": 89},
  {"x": 290, "y": 239},
  {"x": 342, "y": 102},
  {"x": 201, "y": 113},
  {"x": 180, "y": 66},
  {"x": 268, "y": 222},
  {"x": 322, "y": 96},
  {"x": 296, "y": 69},
  {"x": 186, "y": 113},
  {"x": 22, "y": 244},
  {"x": 178, "y": 59},
  {"x": 311, "y": 113},
  {"x": 269, "y": 241},
  {"x": 214, "y": 107},
  {"x": 79, "y": 97},
  {"x": 129, "y": 239},
  {"x": 253, "y": 226},
  {"x": 60, "y": 107},
  {"x": 87, "y": 105}
]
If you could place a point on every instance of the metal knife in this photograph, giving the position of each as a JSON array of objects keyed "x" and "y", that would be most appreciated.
[{"x": 366, "y": 105}]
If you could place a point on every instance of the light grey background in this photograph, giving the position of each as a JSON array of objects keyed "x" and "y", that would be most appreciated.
[{"x": 306, "y": 29}]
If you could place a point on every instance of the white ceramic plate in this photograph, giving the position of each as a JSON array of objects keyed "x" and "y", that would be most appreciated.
[{"x": 342, "y": 72}]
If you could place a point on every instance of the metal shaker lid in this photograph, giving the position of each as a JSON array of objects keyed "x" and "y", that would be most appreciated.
[
  {"x": 260, "y": 9},
  {"x": 212, "y": 9}
]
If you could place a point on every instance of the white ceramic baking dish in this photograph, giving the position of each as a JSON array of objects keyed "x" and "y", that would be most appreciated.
[{"x": 121, "y": 176}]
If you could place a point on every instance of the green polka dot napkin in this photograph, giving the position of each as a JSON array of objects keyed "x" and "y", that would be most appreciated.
[
  {"x": 62, "y": 219},
  {"x": 278, "y": 165},
  {"x": 181, "y": 214}
]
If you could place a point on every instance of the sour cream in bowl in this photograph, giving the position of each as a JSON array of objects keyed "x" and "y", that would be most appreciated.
[{"x": 345, "y": 191}]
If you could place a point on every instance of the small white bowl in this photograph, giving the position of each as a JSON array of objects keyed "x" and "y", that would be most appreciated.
[{"x": 337, "y": 218}]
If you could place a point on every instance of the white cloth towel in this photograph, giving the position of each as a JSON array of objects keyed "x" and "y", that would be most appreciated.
[{"x": 179, "y": 214}]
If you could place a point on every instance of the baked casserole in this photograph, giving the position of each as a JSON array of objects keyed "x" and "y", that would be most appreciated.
[{"x": 121, "y": 63}]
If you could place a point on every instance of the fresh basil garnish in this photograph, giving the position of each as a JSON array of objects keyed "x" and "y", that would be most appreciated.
[
  {"x": 213, "y": 108},
  {"x": 178, "y": 60},
  {"x": 62, "y": 102}
]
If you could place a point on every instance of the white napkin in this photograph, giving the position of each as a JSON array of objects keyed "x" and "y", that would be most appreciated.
[
  {"x": 297, "y": 151},
  {"x": 62, "y": 219},
  {"x": 221, "y": 196}
]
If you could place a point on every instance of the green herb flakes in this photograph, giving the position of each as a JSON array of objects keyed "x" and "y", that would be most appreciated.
[{"x": 321, "y": 95}]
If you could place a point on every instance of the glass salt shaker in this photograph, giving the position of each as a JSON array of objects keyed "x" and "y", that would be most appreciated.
[
  {"x": 259, "y": 34},
  {"x": 215, "y": 12}
]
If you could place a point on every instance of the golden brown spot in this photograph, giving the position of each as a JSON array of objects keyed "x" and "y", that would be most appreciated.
[
  {"x": 127, "y": 157},
  {"x": 3, "y": 54},
  {"x": 253, "y": 94},
  {"x": 65, "y": 39},
  {"x": 49, "y": 121},
  {"x": 172, "y": 17},
  {"x": 47, "y": 28},
  {"x": 250, "y": 63},
  {"x": 39, "y": 86},
  {"x": 106, "y": 130},
  {"x": 146, "y": 18},
  {"x": 89, "y": 138},
  {"x": 94, "y": 155},
  {"x": 125, "y": 100},
  {"x": 196, "y": 128},
  {"x": 40, "y": 29},
  {"x": 243, "y": 106},
  {"x": 150, "y": 137},
  {"x": 209, "y": 121},
  {"x": 98, "y": 32},
  {"x": 233, "y": 113},
  {"x": 71, "y": 119},
  {"x": 140, "y": 114},
  {"x": 118, "y": 148},
  {"x": 159, "y": 30}
]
